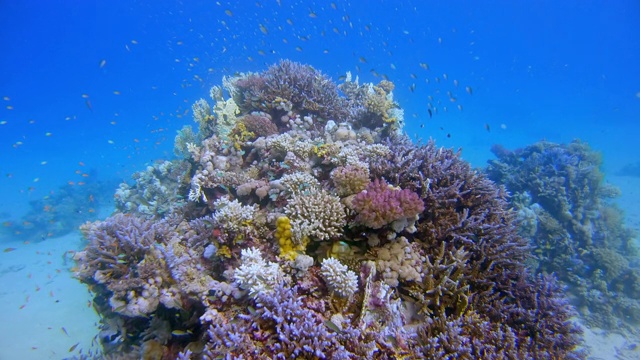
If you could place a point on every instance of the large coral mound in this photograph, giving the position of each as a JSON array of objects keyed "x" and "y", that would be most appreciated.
[
  {"x": 334, "y": 237},
  {"x": 560, "y": 197}
]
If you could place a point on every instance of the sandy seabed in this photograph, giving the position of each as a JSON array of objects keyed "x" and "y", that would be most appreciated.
[{"x": 48, "y": 313}]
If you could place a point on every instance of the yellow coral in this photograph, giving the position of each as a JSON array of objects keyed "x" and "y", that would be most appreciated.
[
  {"x": 288, "y": 249},
  {"x": 326, "y": 150},
  {"x": 240, "y": 135},
  {"x": 224, "y": 251}
]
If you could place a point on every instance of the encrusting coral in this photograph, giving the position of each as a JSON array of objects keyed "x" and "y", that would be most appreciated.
[{"x": 331, "y": 235}]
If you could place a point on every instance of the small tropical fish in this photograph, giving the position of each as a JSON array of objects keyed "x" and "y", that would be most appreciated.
[
  {"x": 228, "y": 12},
  {"x": 487, "y": 127},
  {"x": 180, "y": 333},
  {"x": 469, "y": 90},
  {"x": 331, "y": 325},
  {"x": 64, "y": 331},
  {"x": 103, "y": 62},
  {"x": 263, "y": 29},
  {"x": 74, "y": 347},
  {"x": 9, "y": 249}
]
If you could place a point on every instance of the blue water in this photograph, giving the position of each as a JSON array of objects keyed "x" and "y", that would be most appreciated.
[
  {"x": 96, "y": 90},
  {"x": 552, "y": 70}
]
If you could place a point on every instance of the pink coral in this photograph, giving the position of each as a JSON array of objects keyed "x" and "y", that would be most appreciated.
[{"x": 380, "y": 204}]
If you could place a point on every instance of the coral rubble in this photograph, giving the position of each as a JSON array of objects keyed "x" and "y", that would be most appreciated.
[
  {"x": 306, "y": 225},
  {"x": 561, "y": 198}
]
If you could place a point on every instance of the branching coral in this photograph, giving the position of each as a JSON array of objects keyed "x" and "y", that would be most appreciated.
[
  {"x": 339, "y": 278},
  {"x": 317, "y": 215},
  {"x": 257, "y": 275},
  {"x": 379, "y": 205},
  {"x": 308, "y": 90},
  {"x": 350, "y": 179}
]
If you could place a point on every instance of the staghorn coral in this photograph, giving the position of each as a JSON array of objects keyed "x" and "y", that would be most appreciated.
[
  {"x": 307, "y": 90},
  {"x": 233, "y": 214},
  {"x": 379, "y": 205},
  {"x": 255, "y": 274},
  {"x": 122, "y": 263}
]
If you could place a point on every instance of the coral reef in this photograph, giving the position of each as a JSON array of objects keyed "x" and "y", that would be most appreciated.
[
  {"x": 560, "y": 197},
  {"x": 62, "y": 211},
  {"x": 158, "y": 191},
  {"x": 328, "y": 236}
]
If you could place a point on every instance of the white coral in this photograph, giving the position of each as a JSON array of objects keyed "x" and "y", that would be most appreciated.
[
  {"x": 232, "y": 214},
  {"x": 255, "y": 274},
  {"x": 317, "y": 215},
  {"x": 339, "y": 278},
  {"x": 299, "y": 182}
]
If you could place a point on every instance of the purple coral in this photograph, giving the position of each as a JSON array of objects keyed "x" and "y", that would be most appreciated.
[
  {"x": 379, "y": 204},
  {"x": 306, "y": 88},
  {"x": 281, "y": 327}
]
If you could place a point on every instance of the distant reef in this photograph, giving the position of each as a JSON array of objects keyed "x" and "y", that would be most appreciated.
[{"x": 563, "y": 209}]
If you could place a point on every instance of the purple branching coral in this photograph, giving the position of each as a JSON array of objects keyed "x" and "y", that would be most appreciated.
[
  {"x": 281, "y": 327},
  {"x": 306, "y": 88},
  {"x": 379, "y": 204},
  {"x": 539, "y": 314}
]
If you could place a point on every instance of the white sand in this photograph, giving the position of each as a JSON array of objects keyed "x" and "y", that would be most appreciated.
[{"x": 40, "y": 298}]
